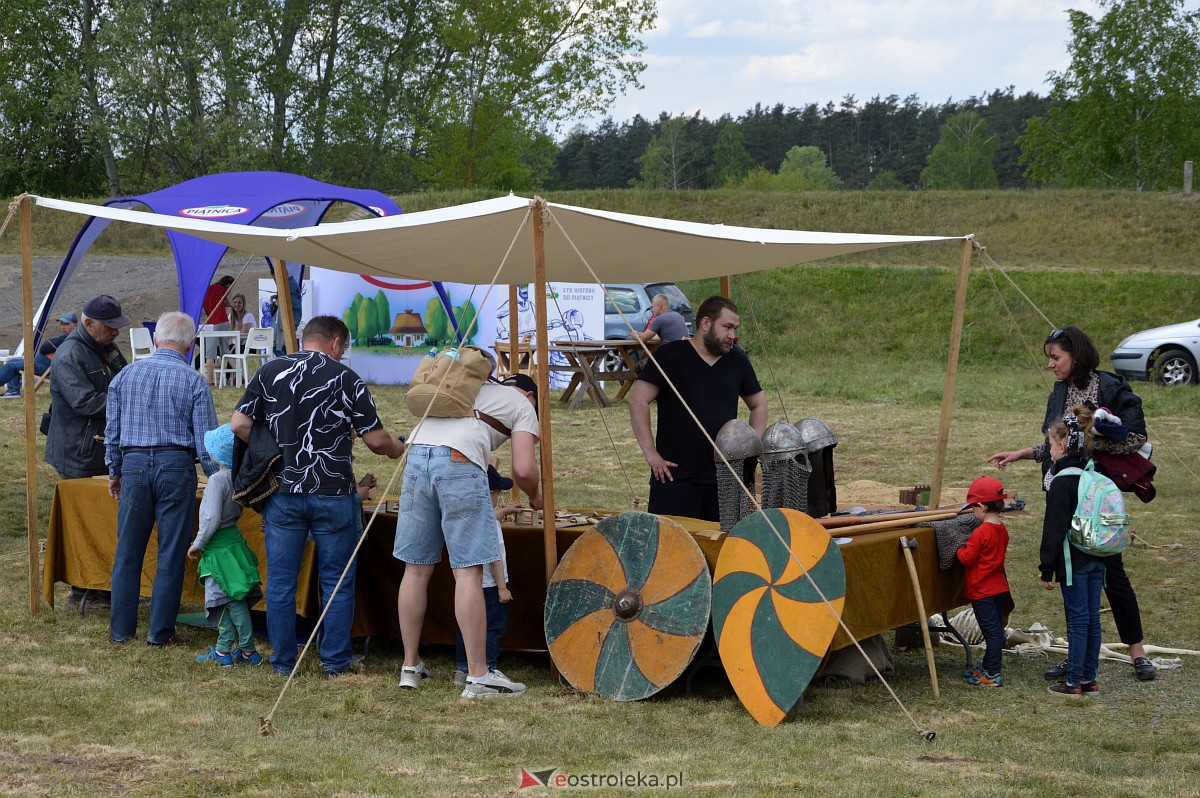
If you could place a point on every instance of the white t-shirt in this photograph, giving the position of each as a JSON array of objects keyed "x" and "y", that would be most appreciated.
[
  {"x": 248, "y": 319},
  {"x": 474, "y": 438},
  {"x": 488, "y": 579}
]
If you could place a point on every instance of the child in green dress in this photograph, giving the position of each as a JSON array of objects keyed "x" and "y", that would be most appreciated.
[{"x": 228, "y": 569}]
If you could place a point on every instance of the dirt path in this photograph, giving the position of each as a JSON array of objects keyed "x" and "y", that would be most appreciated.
[{"x": 146, "y": 287}]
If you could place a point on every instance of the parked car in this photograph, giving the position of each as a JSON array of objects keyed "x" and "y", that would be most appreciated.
[
  {"x": 1168, "y": 355},
  {"x": 633, "y": 300}
]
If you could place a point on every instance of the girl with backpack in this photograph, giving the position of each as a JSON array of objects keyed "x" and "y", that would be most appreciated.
[
  {"x": 1083, "y": 577},
  {"x": 1074, "y": 361}
]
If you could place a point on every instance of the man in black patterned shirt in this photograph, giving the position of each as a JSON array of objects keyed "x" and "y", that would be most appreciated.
[{"x": 313, "y": 406}]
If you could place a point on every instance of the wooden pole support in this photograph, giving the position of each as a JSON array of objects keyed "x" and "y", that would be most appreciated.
[
  {"x": 956, "y": 327},
  {"x": 907, "y": 546},
  {"x": 283, "y": 293},
  {"x": 31, "y": 427}
]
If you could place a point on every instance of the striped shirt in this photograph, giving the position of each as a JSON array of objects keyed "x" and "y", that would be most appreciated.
[{"x": 159, "y": 401}]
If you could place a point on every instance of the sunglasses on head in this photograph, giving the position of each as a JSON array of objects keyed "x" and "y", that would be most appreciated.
[{"x": 1055, "y": 334}]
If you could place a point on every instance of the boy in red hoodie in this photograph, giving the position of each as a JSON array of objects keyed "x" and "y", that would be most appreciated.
[{"x": 987, "y": 586}]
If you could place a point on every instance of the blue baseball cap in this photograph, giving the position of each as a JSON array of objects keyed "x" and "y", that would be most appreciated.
[{"x": 68, "y": 318}]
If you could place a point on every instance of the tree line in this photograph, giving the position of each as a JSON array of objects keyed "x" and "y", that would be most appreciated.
[
  {"x": 885, "y": 142},
  {"x": 100, "y": 97}
]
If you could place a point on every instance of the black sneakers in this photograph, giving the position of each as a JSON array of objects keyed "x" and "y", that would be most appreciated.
[
  {"x": 1143, "y": 669},
  {"x": 1058, "y": 673}
]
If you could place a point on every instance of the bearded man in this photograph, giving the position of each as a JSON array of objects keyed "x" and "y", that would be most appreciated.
[{"x": 710, "y": 375}]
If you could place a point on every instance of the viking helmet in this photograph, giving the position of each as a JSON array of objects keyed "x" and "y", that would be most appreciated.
[
  {"x": 781, "y": 441},
  {"x": 816, "y": 434},
  {"x": 737, "y": 440}
]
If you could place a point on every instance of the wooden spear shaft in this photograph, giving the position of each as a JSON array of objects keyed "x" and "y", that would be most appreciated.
[
  {"x": 907, "y": 546},
  {"x": 895, "y": 524},
  {"x": 858, "y": 520}
]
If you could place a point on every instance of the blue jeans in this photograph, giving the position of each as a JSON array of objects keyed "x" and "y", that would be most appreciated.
[
  {"x": 335, "y": 523},
  {"x": 158, "y": 486},
  {"x": 445, "y": 501},
  {"x": 497, "y": 623},
  {"x": 989, "y": 613},
  {"x": 1081, "y": 600},
  {"x": 10, "y": 372}
]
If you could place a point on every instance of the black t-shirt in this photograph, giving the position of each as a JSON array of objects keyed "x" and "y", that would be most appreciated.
[
  {"x": 712, "y": 392},
  {"x": 310, "y": 402}
]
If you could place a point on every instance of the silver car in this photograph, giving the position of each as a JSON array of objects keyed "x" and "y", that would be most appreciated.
[{"x": 1167, "y": 355}]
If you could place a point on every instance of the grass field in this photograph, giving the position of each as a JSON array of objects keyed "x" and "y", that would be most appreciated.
[{"x": 861, "y": 346}]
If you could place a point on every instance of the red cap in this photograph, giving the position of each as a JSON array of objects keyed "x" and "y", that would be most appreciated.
[{"x": 984, "y": 490}]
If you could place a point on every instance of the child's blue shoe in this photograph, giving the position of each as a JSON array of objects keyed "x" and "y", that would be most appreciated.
[
  {"x": 212, "y": 655},
  {"x": 985, "y": 679},
  {"x": 247, "y": 658},
  {"x": 971, "y": 674}
]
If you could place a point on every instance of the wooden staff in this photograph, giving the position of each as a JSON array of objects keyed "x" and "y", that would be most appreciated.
[
  {"x": 907, "y": 546},
  {"x": 896, "y": 523},
  {"x": 917, "y": 516}
]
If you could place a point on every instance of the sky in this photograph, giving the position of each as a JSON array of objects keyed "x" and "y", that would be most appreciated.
[{"x": 723, "y": 56}]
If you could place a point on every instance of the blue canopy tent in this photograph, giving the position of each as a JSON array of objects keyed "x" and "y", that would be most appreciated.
[{"x": 260, "y": 199}]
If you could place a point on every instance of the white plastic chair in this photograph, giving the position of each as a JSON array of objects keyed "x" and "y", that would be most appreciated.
[
  {"x": 141, "y": 343},
  {"x": 259, "y": 345}
]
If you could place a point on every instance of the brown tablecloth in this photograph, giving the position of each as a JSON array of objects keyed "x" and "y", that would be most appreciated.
[{"x": 81, "y": 542}]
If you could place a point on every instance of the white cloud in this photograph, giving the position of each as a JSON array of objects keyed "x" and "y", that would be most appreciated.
[{"x": 718, "y": 56}]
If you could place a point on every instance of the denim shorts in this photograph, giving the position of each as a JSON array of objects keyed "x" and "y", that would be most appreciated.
[{"x": 445, "y": 500}]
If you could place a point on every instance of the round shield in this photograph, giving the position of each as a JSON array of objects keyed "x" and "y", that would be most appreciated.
[
  {"x": 771, "y": 626},
  {"x": 627, "y": 607}
]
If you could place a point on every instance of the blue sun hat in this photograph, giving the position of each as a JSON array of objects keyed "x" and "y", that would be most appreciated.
[{"x": 219, "y": 443}]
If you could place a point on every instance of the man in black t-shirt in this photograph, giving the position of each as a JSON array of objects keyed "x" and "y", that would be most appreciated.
[
  {"x": 710, "y": 376},
  {"x": 312, "y": 405}
]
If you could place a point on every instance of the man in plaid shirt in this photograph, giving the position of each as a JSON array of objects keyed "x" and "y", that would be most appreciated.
[{"x": 158, "y": 411}]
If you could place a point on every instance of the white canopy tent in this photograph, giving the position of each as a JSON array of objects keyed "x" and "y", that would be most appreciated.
[
  {"x": 466, "y": 243},
  {"x": 470, "y": 243}
]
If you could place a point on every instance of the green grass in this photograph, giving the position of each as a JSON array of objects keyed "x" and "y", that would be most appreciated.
[{"x": 860, "y": 345}]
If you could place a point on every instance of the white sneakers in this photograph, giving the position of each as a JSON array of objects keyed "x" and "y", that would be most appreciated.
[
  {"x": 411, "y": 677},
  {"x": 491, "y": 685}
]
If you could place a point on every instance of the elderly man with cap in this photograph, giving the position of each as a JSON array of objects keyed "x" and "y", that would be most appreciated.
[
  {"x": 445, "y": 501},
  {"x": 86, "y": 362},
  {"x": 158, "y": 411},
  {"x": 10, "y": 372}
]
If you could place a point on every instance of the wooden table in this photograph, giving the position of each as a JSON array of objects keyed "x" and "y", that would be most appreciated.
[
  {"x": 584, "y": 361},
  {"x": 81, "y": 542}
]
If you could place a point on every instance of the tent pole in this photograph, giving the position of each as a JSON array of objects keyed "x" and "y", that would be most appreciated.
[
  {"x": 549, "y": 528},
  {"x": 514, "y": 361},
  {"x": 725, "y": 286},
  {"x": 956, "y": 327},
  {"x": 283, "y": 292},
  {"x": 31, "y": 485}
]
